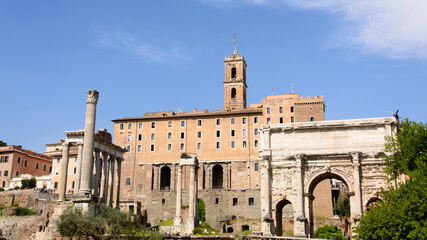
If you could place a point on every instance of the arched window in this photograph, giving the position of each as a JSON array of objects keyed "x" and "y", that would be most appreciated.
[
  {"x": 233, "y": 72},
  {"x": 127, "y": 181},
  {"x": 233, "y": 93},
  {"x": 165, "y": 178},
  {"x": 217, "y": 177}
]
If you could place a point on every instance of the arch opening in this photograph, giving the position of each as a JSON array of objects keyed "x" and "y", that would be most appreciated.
[
  {"x": 284, "y": 218},
  {"x": 217, "y": 177},
  {"x": 233, "y": 93},
  {"x": 165, "y": 178},
  {"x": 372, "y": 202},
  {"x": 233, "y": 72}
]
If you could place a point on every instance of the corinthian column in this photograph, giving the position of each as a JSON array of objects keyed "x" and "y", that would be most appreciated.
[
  {"x": 267, "y": 219},
  {"x": 96, "y": 172},
  {"x": 87, "y": 160},
  {"x": 64, "y": 171},
  {"x": 299, "y": 225},
  {"x": 104, "y": 177},
  {"x": 110, "y": 182},
  {"x": 79, "y": 166},
  {"x": 117, "y": 185},
  {"x": 356, "y": 180},
  {"x": 178, "y": 218}
]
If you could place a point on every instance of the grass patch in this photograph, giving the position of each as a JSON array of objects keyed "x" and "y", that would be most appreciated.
[
  {"x": 205, "y": 229},
  {"x": 165, "y": 223}
]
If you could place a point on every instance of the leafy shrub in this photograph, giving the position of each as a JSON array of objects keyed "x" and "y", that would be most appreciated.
[
  {"x": 329, "y": 232},
  {"x": 1, "y": 189},
  {"x": 17, "y": 188},
  {"x": 23, "y": 211},
  {"x": 201, "y": 211}
]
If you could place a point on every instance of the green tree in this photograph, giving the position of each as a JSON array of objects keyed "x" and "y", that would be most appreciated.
[
  {"x": 329, "y": 232},
  {"x": 342, "y": 207},
  {"x": 409, "y": 150},
  {"x": 2, "y": 143},
  {"x": 403, "y": 212},
  {"x": 201, "y": 210}
]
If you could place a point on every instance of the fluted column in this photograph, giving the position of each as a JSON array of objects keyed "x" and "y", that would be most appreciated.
[
  {"x": 178, "y": 218},
  {"x": 87, "y": 160},
  {"x": 193, "y": 194},
  {"x": 110, "y": 181},
  {"x": 299, "y": 225},
  {"x": 117, "y": 184},
  {"x": 266, "y": 225},
  {"x": 104, "y": 177},
  {"x": 79, "y": 166},
  {"x": 96, "y": 172},
  {"x": 356, "y": 180},
  {"x": 64, "y": 171}
]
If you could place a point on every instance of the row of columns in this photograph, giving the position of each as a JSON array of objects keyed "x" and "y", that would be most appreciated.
[
  {"x": 302, "y": 212},
  {"x": 103, "y": 186}
]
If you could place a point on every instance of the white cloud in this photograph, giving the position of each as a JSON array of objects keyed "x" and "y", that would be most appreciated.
[
  {"x": 144, "y": 49},
  {"x": 393, "y": 28}
]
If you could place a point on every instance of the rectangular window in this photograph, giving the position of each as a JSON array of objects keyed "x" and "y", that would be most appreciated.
[
  {"x": 128, "y": 148},
  {"x": 140, "y": 125},
  {"x": 169, "y": 147},
  {"x": 199, "y": 122},
  {"x": 233, "y": 144},
  {"x": 218, "y": 145},
  {"x": 129, "y": 137},
  {"x": 233, "y": 121},
  {"x": 244, "y": 132},
  {"x": 311, "y": 119},
  {"x": 182, "y": 135},
  {"x": 280, "y": 109},
  {"x": 255, "y": 143},
  {"x": 291, "y": 109},
  {"x": 37, "y": 165},
  {"x": 268, "y": 121},
  {"x": 129, "y": 125},
  {"x": 199, "y": 145},
  {"x": 292, "y": 119},
  {"x": 75, "y": 159},
  {"x": 233, "y": 132},
  {"x": 234, "y": 201},
  {"x": 121, "y": 126},
  {"x": 74, "y": 170},
  {"x": 169, "y": 136},
  {"x": 218, "y": 121},
  {"x": 6, "y": 173},
  {"x": 153, "y": 124},
  {"x": 256, "y": 166},
  {"x": 170, "y": 124},
  {"x": 19, "y": 160},
  {"x": 182, "y": 123},
  {"x": 244, "y": 144},
  {"x": 218, "y": 133},
  {"x": 244, "y": 120},
  {"x": 139, "y": 137},
  {"x": 4, "y": 184},
  {"x": 72, "y": 184},
  {"x": 216, "y": 200},
  {"x": 199, "y": 134},
  {"x": 153, "y": 136},
  {"x": 139, "y": 148},
  {"x": 58, "y": 160},
  {"x": 16, "y": 173},
  {"x": 152, "y": 147},
  {"x": 255, "y": 119},
  {"x": 256, "y": 131},
  {"x": 55, "y": 185},
  {"x": 44, "y": 167},
  {"x": 268, "y": 110},
  {"x": 6, "y": 158},
  {"x": 50, "y": 169},
  {"x": 251, "y": 201},
  {"x": 181, "y": 147},
  {"x": 280, "y": 120},
  {"x": 26, "y": 161}
]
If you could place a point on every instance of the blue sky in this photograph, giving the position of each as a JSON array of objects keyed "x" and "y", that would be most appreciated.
[{"x": 368, "y": 58}]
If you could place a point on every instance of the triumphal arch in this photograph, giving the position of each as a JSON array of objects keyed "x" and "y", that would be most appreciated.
[{"x": 295, "y": 157}]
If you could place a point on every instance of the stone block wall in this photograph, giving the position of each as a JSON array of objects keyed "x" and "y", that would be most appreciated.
[{"x": 19, "y": 197}]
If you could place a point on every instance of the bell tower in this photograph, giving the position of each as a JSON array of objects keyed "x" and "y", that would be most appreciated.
[{"x": 234, "y": 82}]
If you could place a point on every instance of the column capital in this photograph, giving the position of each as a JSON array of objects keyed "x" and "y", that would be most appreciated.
[
  {"x": 92, "y": 96},
  {"x": 355, "y": 158},
  {"x": 97, "y": 150},
  {"x": 66, "y": 144}
]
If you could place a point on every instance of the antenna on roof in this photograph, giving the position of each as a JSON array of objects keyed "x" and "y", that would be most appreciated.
[
  {"x": 235, "y": 47},
  {"x": 292, "y": 88}
]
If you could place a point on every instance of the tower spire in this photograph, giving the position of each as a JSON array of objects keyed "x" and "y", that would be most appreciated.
[{"x": 235, "y": 47}]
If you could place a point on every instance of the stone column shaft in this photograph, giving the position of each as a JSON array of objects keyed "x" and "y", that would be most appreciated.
[
  {"x": 117, "y": 184},
  {"x": 104, "y": 177},
  {"x": 64, "y": 172},
  {"x": 87, "y": 160},
  {"x": 357, "y": 187},
  {"x": 178, "y": 218},
  {"x": 110, "y": 182},
  {"x": 78, "y": 167},
  {"x": 299, "y": 225},
  {"x": 266, "y": 227},
  {"x": 96, "y": 173},
  {"x": 192, "y": 213}
]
